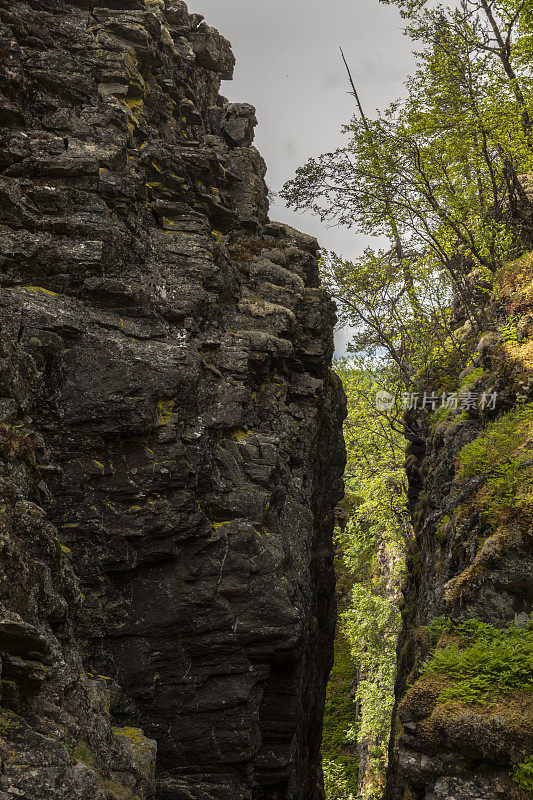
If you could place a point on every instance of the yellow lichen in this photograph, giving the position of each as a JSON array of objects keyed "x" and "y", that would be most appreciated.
[
  {"x": 9, "y": 720},
  {"x": 239, "y": 435},
  {"x": 133, "y": 734},
  {"x": 134, "y": 103},
  {"x": 165, "y": 408},
  {"x": 39, "y": 289}
]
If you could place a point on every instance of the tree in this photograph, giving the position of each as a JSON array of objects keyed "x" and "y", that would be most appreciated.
[
  {"x": 372, "y": 545},
  {"x": 436, "y": 174}
]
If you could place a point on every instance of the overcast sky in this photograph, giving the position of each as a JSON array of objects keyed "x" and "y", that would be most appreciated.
[{"x": 289, "y": 67}]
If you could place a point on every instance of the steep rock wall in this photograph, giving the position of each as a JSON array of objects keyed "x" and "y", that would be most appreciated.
[
  {"x": 171, "y": 437},
  {"x": 471, "y": 559}
]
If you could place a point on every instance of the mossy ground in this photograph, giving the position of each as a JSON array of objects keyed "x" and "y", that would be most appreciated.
[
  {"x": 339, "y": 755},
  {"x": 476, "y": 689},
  {"x": 340, "y": 714},
  {"x": 503, "y": 451}
]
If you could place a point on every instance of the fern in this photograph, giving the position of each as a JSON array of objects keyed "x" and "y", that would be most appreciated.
[
  {"x": 485, "y": 661},
  {"x": 523, "y": 774}
]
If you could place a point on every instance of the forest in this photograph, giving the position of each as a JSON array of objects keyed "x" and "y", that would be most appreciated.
[{"x": 442, "y": 179}]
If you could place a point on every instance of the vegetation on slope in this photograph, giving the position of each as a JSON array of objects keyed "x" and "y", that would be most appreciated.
[
  {"x": 440, "y": 175},
  {"x": 479, "y": 661},
  {"x": 503, "y": 454},
  {"x": 370, "y": 544},
  {"x": 338, "y": 749}
]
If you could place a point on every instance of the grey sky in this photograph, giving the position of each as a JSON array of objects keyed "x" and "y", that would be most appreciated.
[{"x": 289, "y": 68}]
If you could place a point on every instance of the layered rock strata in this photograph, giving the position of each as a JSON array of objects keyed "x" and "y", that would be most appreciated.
[{"x": 171, "y": 432}]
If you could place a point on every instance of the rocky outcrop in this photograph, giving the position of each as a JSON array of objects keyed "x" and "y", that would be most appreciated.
[
  {"x": 171, "y": 432},
  {"x": 470, "y": 478}
]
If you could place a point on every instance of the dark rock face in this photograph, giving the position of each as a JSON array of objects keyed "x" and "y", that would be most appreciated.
[
  {"x": 465, "y": 566},
  {"x": 172, "y": 435}
]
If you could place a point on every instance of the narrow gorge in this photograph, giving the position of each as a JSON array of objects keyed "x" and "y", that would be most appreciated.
[{"x": 192, "y": 607}]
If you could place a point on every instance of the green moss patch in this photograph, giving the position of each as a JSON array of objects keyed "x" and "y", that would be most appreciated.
[
  {"x": 83, "y": 753},
  {"x": 118, "y": 791},
  {"x": 473, "y": 376},
  {"x": 441, "y": 532},
  {"x": 338, "y": 752},
  {"x": 503, "y": 451}
]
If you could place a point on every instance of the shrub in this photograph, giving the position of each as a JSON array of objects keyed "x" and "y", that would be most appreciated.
[{"x": 509, "y": 331}]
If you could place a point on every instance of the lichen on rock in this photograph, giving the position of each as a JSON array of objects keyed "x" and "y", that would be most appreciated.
[{"x": 166, "y": 573}]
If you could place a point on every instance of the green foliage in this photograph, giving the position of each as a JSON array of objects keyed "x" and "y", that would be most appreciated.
[
  {"x": 502, "y": 453},
  {"x": 374, "y": 536},
  {"x": 436, "y": 174},
  {"x": 396, "y": 328},
  {"x": 484, "y": 661},
  {"x": 523, "y": 774},
  {"x": 339, "y": 716},
  {"x": 508, "y": 331},
  {"x": 374, "y": 470},
  {"x": 372, "y": 625},
  {"x": 336, "y": 782}
]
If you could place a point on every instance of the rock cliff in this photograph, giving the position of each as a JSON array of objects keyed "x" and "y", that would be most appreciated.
[
  {"x": 462, "y": 731},
  {"x": 170, "y": 439}
]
